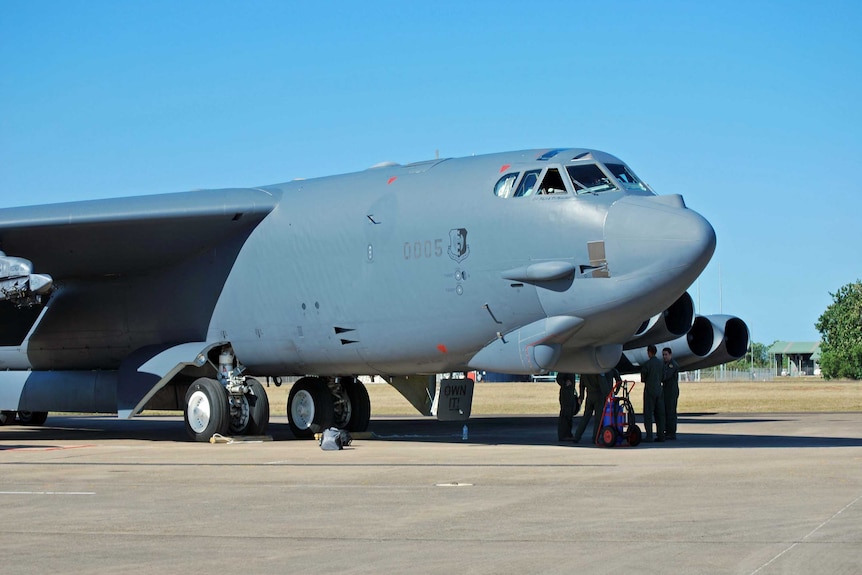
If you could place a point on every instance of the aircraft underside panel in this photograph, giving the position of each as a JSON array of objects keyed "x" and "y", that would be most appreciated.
[
  {"x": 531, "y": 349},
  {"x": 141, "y": 377},
  {"x": 75, "y": 391}
]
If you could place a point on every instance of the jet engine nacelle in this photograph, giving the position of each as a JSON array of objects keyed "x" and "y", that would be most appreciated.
[
  {"x": 733, "y": 344},
  {"x": 674, "y": 322},
  {"x": 712, "y": 340},
  {"x": 19, "y": 284}
]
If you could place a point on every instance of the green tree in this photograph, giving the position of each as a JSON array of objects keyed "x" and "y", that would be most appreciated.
[
  {"x": 841, "y": 329},
  {"x": 757, "y": 351}
]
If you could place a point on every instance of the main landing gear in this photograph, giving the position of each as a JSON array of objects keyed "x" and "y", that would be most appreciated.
[
  {"x": 232, "y": 405},
  {"x": 235, "y": 404},
  {"x": 211, "y": 408},
  {"x": 317, "y": 403}
]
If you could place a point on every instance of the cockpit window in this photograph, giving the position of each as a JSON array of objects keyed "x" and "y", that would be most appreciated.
[
  {"x": 528, "y": 183},
  {"x": 626, "y": 177},
  {"x": 506, "y": 185},
  {"x": 589, "y": 178},
  {"x": 552, "y": 183}
]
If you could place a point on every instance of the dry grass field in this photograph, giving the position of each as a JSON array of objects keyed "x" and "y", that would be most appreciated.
[{"x": 780, "y": 395}]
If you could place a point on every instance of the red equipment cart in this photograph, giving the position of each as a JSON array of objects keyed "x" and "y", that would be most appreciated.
[{"x": 618, "y": 418}]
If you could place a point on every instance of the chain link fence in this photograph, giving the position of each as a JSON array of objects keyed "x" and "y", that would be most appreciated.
[{"x": 720, "y": 373}]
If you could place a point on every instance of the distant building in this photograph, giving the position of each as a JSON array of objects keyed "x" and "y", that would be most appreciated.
[{"x": 795, "y": 357}]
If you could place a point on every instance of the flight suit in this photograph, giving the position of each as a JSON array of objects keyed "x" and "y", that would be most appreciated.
[
  {"x": 566, "y": 381},
  {"x": 670, "y": 391},
  {"x": 651, "y": 374}
]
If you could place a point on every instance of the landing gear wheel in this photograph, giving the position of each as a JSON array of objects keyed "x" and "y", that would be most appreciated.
[
  {"x": 238, "y": 414},
  {"x": 254, "y": 411},
  {"x": 351, "y": 403},
  {"x": 309, "y": 407},
  {"x": 341, "y": 404},
  {"x": 206, "y": 411},
  {"x": 32, "y": 417},
  {"x": 608, "y": 436},
  {"x": 634, "y": 435},
  {"x": 7, "y": 417},
  {"x": 360, "y": 405}
]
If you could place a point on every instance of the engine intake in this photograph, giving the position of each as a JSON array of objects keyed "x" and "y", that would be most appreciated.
[
  {"x": 712, "y": 340},
  {"x": 18, "y": 283}
]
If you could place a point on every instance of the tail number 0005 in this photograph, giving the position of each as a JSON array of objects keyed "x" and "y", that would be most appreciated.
[{"x": 423, "y": 249}]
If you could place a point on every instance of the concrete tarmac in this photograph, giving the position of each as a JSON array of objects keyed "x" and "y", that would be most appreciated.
[{"x": 737, "y": 493}]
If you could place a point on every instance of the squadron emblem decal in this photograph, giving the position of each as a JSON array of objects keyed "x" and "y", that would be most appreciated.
[{"x": 458, "y": 248}]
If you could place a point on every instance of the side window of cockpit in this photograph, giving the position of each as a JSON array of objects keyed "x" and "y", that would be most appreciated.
[
  {"x": 506, "y": 185},
  {"x": 528, "y": 183},
  {"x": 552, "y": 183},
  {"x": 626, "y": 177},
  {"x": 589, "y": 178}
]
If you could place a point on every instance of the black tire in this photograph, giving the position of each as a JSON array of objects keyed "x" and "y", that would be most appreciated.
[
  {"x": 206, "y": 412},
  {"x": 341, "y": 404},
  {"x": 608, "y": 436},
  {"x": 360, "y": 403},
  {"x": 634, "y": 435},
  {"x": 249, "y": 413},
  {"x": 309, "y": 407},
  {"x": 7, "y": 417},
  {"x": 258, "y": 408},
  {"x": 32, "y": 417}
]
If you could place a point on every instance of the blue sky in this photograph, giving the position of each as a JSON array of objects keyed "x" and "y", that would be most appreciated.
[{"x": 750, "y": 110}]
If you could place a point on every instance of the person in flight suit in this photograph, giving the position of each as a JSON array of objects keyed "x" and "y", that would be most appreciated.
[
  {"x": 568, "y": 405},
  {"x": 651, "y": 375},
  {"x": 670, "y": 391}
]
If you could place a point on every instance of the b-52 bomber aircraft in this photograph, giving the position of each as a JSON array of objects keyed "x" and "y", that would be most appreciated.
[{"x": 520, "y": 262}]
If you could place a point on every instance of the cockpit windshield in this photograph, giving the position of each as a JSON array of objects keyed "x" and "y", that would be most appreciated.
[
  {"x": 626, "y": 177},
  {"x": 558, "y": 181},
  {"x": 551, "y": 184},
  {"x": 528, "y": 183},
  {"x": 589, "y": 178}
]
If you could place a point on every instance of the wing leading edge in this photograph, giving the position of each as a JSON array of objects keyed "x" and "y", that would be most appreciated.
[{"x": 124, "y": 236}]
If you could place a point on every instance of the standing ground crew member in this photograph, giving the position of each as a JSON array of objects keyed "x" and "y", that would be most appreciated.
[
  {"x": 651, "y": 375},
  {"x": 566, "y": 381},
  {"x": 670, "y": 391}
]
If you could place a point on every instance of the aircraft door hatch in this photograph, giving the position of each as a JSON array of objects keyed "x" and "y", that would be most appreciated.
[{"x": 598, "y": 267}]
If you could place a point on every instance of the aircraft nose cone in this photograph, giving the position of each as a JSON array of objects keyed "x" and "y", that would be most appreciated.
[{"x": 649, "y": 235}]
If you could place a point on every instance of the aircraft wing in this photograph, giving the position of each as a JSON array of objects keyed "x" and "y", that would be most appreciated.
[{"x": 122, "y": 236}]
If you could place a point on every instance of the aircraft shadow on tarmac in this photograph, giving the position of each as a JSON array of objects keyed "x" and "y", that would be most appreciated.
[
  {"x": 483, "y": 430},
  {"x": 541, "y": 430}
]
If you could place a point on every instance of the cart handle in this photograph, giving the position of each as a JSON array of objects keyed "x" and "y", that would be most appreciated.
[{"x": 629, "y": 382}]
